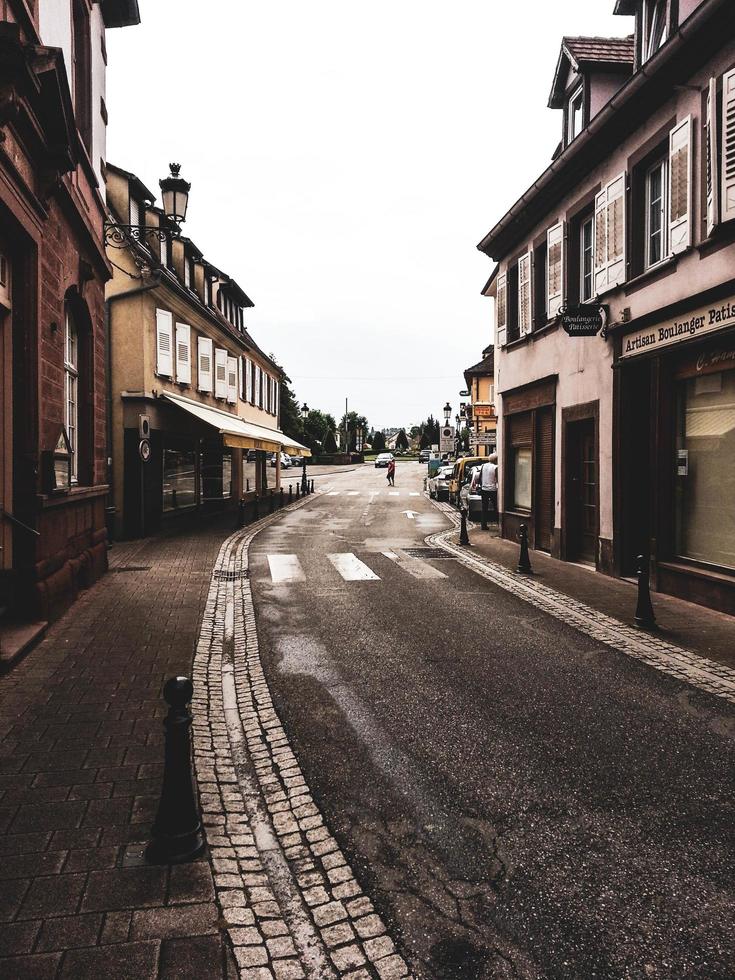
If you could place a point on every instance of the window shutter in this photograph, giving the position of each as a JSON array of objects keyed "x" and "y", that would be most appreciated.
[
  {"x": 204, "y": 368},
  {"x": 680, "y": 186},
  {"x": 183, "y": 353},
  {"x": 554, "y": 270},
  {"x": 501, "y": 312},
  {"x": 241, "y": 377},
  {"x": 616, "y": 231},
  {"x": 220, "y": 373},
  {"x": 728, "y": 146},
  {"x": 164, "y": 252},
  {"x": 134, "y": 212},
  {"x": 713, "y": 181},
  {"x": 600, "y": 237},
  {"x": 248, "y": 380},
  {"x": 164, "y": 343},
  {"x": 232, "y": 380},
  {"x": 277, "y": 392},
  {"x": 524, "y": 294}
]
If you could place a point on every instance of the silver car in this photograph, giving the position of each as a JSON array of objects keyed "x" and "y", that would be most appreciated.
[
  {"x": 471, "y": 501},
  {"x": 439, "y": 483}
]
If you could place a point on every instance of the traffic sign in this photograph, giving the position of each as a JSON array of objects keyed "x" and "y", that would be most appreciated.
[
  {"x": 483, "y": 439},
  {"x": 446, "y": 439}
]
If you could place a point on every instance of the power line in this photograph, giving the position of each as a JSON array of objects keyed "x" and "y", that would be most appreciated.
[{"x": 382, "y": 377}]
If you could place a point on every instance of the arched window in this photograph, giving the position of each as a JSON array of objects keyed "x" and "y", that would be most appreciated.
[{"x": 71, "y": 389}]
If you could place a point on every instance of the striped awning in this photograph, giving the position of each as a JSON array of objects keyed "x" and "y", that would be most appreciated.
[{"x": 236, "y": 432}]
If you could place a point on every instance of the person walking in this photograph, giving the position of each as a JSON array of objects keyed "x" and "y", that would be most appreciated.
[
  {"x": 392, "y": 473},
  {"x": 487, "y": 480}
]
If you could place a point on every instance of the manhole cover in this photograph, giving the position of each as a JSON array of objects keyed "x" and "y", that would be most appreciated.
[
  {"x": 427, "y": 553},
  {"x": 130, "y": 568}
]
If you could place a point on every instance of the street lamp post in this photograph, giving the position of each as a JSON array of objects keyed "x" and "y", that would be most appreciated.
[
  {"x": 304, "y": 481},
  {"x": 175, "y": 193}
]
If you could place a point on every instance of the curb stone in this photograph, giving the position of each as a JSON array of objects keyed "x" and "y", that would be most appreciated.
[
  {"x": 668, "y": 658},
  {"x": 290, "y": 901}
]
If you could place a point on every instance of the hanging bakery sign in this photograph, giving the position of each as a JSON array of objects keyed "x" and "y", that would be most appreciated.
[
  {"x": 696, "y": 324},
  {"x": 586, "y": 320}
]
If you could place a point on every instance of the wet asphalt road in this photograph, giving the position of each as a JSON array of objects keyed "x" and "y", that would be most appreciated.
[{"x": 517, "y": 799}]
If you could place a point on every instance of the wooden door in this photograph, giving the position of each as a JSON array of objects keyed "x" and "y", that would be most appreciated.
[
  {"x": 544, "y": 471},
  {"x": 581, "y": 491}
]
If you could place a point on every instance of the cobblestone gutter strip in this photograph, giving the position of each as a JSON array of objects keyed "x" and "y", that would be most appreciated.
[
  {"x": 292, "y": 905},
  {"x": 704, "y": 674}
]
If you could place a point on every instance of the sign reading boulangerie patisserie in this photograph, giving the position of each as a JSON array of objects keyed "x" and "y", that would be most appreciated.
[{"x": 695, "y": 324}]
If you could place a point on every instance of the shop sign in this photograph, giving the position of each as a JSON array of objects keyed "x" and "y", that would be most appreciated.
[
  {"x": 582, "y": 321},
  {"x": 464, "y": 394},
  {"x": 706, "y": 320},
  {"x": 483, "y": 439},
  {"x": 483, "y": 411}
]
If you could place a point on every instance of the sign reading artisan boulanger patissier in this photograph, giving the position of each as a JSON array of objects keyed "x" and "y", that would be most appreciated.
[{"x": 695, "y": 324}]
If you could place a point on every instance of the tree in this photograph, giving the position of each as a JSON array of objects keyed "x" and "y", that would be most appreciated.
[
  {"x": 315, "y": 427},
  {"x": 401, "y": 440},
  {"x": 330, "y": 443},
  {"x": 379, "y": 443},
  {"x": 290, "y": 414},
  {"x": 352, "y": 421},
  {"x": 425, "y": 441}
]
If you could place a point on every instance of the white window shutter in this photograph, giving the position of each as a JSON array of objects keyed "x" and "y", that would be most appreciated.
[
  {"x": 501, "y": 312},
  {"x": 232, "y": 380},
  {"x": 183, "y": 353},
  {"x": 727, "y": 199},
  {"x": 524, "y": 294},
  {"x": 600, "y": 242},
  {"x": 164, "y": 343},
  {"x": 134, "y": 212},
  {"x": 241, "y": 362},
  {"x": 248, "y": 380},
  {"x": 616, "y": 231},
  {"x": 554, "y": 270},
  {"x": 204, "y": 365},
  {"x": 680, "y": 186},
  {"x": 712, "y": 176},
  {"x": 220, "y": 373}
]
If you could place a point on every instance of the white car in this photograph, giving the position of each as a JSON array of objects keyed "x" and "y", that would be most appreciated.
[
  {"x": 439, "y": 483},
  {"x": 383, "y": 459},
  {"x": 285, "y": 461}
]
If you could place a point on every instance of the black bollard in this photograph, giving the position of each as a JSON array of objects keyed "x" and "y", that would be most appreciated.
[
  {"x": 290, "y": 493},
  {"x": 312, "y": 486},
  {"x": 247, "y": 486},
  {"x": 177, "y": 831},
  {"x": 644, "y": 615},
  {"x": 464, "y": 537},
  {"x": 297, "y": 491},
  {"x": 281, "y": 503},
  {"x": 524, "y": 562}
]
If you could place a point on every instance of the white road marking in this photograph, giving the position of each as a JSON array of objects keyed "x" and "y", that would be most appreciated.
[
  {"x": 352, "y": 569},
  {"x": 394, "y": 493},
  {"x": 414, "y": 493},
  {"x": 286, "y": 568},
  {"x": 353, "y": 493},
  {"x": 410, "y": 514},
  {"x": 333, "y": 493},
  {"x": 414, "y": 566}
]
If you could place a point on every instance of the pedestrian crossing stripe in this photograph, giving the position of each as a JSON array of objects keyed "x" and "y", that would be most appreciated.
[
  {"x": 414, "y": 566},
  {"x": 286, "y": 568},
  {"x": 352, "y": 569},
  {"x": 394, "y": 493}
]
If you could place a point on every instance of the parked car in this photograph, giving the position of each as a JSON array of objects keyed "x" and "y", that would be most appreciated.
[
  {"x": 383, "y": 459},
  {"x": 471, "y": 500},
  {"x": 285, "y": 460},
  {"x": 439, "y": 484},
  {"x": 296, "y": 460},
  {"x": 461, "y": 468},
  {"x": 252, "y": 455},
  {"x": 424, "y": 455}
]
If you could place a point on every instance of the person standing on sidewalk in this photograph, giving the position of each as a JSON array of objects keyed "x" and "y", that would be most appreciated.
[
  {"x": 392, "y": 473},
  {"x": 486, "y": 477}
]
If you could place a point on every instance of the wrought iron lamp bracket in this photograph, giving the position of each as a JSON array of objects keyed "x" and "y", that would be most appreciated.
[{"x": 120, "y": 236}]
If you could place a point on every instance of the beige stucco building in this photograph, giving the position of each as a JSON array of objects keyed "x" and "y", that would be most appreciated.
[
  {"x": 618, "y": 445},
  {"x": 194, "y": 402},
  {"x": 480, "y": 414}
]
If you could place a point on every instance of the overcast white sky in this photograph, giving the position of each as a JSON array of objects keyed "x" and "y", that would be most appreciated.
[{"x": 345, "y": 160}]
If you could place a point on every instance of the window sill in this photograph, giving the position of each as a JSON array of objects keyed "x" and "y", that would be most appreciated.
[
  {"x": 75, "y": 495},
  {"x": 703, "y": 571},
  {"x": 656, "y": 272}
]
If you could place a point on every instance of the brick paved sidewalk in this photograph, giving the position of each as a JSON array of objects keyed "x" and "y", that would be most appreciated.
[
  {"x": 81, "y": 745},
  {"x": 703, "y": 631}
]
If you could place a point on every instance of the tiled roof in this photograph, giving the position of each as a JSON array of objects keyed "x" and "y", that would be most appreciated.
[
  {"x": 600, "y": 50},
  {"x": 485, "y": 366}
]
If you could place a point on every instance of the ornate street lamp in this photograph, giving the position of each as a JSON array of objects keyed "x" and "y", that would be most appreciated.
[
  {"x": 447, "y": 413},
  {"x": 304, "y": 481},
  {"x": 175, "y": 193}
]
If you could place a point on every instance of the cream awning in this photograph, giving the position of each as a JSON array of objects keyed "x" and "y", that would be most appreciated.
[{"x": 236, "y": 432}]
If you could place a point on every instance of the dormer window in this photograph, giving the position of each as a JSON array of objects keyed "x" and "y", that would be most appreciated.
[
  {"x": 134, "y": 211},
  {"x": 207, "y": 290},
  {"x": 575, "y": 114},
  {"x": 654, "y": 27},
  {"x": 188, "y": 272}
]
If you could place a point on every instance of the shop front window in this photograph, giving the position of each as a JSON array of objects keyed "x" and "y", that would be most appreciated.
[
  {"x": 522, "y": 478},
  {"x": 704, "y": 468},
  {"x": 215, "y": 473},
  {"x": 179, "y": 479}
]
